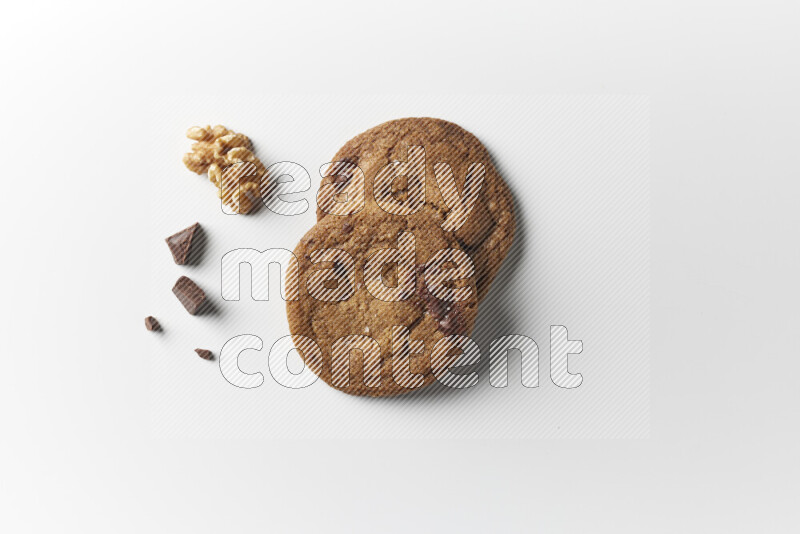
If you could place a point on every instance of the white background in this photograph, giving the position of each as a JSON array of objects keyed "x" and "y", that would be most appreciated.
[{"x": 77, "y": 452}]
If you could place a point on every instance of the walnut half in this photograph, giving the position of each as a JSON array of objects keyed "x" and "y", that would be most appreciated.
[{"x": 227, "y": 158}]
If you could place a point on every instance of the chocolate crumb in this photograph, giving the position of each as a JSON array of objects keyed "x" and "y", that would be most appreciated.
[
  {"x": 205, "y": 354},
  {"x": 151, "y": 324},
  {"x": 347, "y": 228}
]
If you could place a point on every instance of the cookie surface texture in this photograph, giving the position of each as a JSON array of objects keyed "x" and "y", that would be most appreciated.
[{"x": 487, "y": 233}]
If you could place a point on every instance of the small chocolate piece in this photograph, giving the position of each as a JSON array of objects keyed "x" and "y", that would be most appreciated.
[
  {"x": 191, "y": 296},
  {"x": 151, "y": 324},
  {"x": 205, "y": 354},
  {"x": 180, "y": 243},
  {"x": 347, "y": 228}
]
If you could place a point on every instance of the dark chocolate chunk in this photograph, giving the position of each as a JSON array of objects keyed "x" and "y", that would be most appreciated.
[
  {"x": 191, "y": 296},
  {"x": 453, "y": 321},
  {"x": 205, "y": 354},
  {"x": 180, "y": 243},
  {"x": 151, "y": 324},
  {"x": 437, "y": 308},
  {"x": 449, "y": 316},
  {"x": 347, "y": 228}
]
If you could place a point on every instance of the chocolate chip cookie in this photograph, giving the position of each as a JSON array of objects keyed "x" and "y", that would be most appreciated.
[
  {"x": 372, "y": 287},
  {"x": 487, "y": 233}
]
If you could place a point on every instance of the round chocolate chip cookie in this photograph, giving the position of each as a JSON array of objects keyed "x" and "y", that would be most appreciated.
[
  {"x": 488, "y": 230},
  {"x": 372, "y": 288}
]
